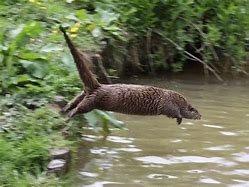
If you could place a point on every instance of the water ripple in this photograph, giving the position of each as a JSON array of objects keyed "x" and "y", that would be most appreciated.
[
  {"x": 243, "y": 172},
  {"x": 195, "y": 171},
  {"x": 161, "y": 176},
  {"x": 229, "y": 133},
  {"x": 88, "y": 174},
  {"x": 129, "y": 149},
  {"x": 118, "y": 139},
  {"x": 90, "y": 138},
  {"x": 176, "y": 141},
  {"x": 227, "y": 147},
  {"x": 242, "y": 183},
  {"x": 101, "y": 184},
  {"x": 185, "y": 159},
  {"x": 209, "y": 181},
  {"x": 213, "y": 126},
  {"x": 241, "y": 157},
  {"x": 103, "y": 151}
]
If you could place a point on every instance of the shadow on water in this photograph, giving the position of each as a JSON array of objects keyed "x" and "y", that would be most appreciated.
[{"x": 156, "y": 152}]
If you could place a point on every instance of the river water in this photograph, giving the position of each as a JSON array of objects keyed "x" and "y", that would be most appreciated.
[{"x": 155, "y": 151}]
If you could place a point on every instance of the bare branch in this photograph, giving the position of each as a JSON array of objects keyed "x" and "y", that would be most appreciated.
[
  {"x": 97, "y": 59},
  {"x": 205, "y": 37},
  {"x": 148, "y": 48},
  {"x": 194, "y": 57}
]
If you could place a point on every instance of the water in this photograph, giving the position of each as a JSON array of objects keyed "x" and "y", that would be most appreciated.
[{"x": 154, "y": 151}]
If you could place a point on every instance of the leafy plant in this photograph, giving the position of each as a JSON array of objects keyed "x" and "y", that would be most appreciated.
[
  {"x": 25, "y": 139},
  {"x": 100, "y": 119},
  {"x": 208, "y": 30},
  {"x": 33, "y": 69},
  {"x": 21, "y": 65}
]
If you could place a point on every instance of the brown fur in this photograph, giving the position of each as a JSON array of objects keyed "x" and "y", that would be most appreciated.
[
  {"x": 80, "y": 60},
  {"x": 125, "y": 98}
]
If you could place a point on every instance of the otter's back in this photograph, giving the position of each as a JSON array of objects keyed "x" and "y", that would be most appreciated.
[{"x": 130, "y": 99}]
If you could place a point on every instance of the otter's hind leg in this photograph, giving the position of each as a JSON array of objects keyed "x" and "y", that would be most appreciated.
[
  {"x": 74, "y": 102},
  {"x": 86, "y": 105}
]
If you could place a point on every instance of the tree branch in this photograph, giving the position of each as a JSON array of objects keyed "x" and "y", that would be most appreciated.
[
  {"x": 194, "y": 57},
  {"x": 148, "y": 49}
]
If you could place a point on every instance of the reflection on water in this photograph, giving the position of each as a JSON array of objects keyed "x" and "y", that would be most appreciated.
[
  {"x": 209, "y": 181},
  {"x": 185, "y": 159},
  {"x": 156, "y": 152}
]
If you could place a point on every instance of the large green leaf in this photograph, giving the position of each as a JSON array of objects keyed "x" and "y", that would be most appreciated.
[
  {"x": 110, "y": 118},
  {"x": 38, "y": 69},
  {"x": 81, "y": 14},
  {"x": 104, "y": 118},
  {"x": 23, "y": 33},
  {"x": 50, "y": 48},
  {"x": 67, "y": 60},
  {"x": 91, "y": 119},
  {"x": 31, "y": 56}
]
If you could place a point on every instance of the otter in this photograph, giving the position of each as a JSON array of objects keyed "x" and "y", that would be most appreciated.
[{"x": 123, "y": 98}]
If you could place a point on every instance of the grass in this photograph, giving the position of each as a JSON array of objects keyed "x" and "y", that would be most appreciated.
[{"x": 26, "y": 137}]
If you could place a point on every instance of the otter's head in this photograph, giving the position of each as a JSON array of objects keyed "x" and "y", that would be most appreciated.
[{"x": 190, "y": 113}]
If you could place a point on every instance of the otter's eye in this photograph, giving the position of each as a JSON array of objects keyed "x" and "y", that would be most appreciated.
[{"x": 191, "y": 109}]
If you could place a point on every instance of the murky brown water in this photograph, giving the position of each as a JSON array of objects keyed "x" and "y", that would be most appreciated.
[{"x": 154, "y": 151}]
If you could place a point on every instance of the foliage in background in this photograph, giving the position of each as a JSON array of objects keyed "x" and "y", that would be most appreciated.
[{"x": 216, "y": 32}]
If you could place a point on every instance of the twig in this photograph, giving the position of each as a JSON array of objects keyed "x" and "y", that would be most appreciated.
[
  {"x": 194, "y": 57},
  {"x": 208, "y": 43},
  {"x": 204, "y": 36},
  {"x": 206, "y": 72},
  {"x": 243, "y": 71},
  {"x": 102, "y": 68},
  {"x": 148, "y": 49}
]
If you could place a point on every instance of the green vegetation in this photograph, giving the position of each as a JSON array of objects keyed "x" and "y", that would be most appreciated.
[
  {"x": 135, "y": 35},
  {"x": 165, "y": 35},
  {"x": 25, "y": 139},
  {"x": 34, "y": 68}
]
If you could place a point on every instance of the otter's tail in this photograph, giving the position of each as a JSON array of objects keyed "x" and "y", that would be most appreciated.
[{"x": 80, "y": 60}]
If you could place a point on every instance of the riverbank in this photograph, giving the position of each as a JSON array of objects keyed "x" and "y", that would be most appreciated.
[{"x": 26, "y": 137}]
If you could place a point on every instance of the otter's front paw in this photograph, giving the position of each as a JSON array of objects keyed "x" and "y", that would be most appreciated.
[
  {"x": 66, "y": 108},
  {"x": 179, "y": 121}
]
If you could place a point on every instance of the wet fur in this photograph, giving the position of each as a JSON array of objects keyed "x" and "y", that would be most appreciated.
[{"x": 124, "y": 98}]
